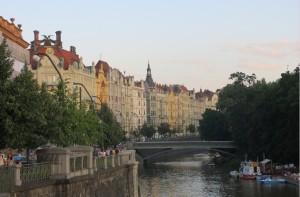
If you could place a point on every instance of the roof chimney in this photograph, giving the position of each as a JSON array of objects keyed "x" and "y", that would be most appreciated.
[
  {"x": 36, "y": 38},
  {"x": 58, "y": 39},
  {"x": 72, "y": 49}
]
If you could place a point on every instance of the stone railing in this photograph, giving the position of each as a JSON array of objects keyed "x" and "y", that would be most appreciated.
[{"x": 62, "y": 163}]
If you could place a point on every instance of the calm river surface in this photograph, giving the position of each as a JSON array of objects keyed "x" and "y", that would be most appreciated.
[{"x": 186, "y": 177}]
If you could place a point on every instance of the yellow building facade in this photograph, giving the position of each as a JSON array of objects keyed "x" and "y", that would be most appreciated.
[{"x": 101, "y": 95}]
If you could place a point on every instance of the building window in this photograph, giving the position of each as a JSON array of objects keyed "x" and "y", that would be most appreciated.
[
  {"x": 139, "y": 112},
  {"x": 139, "y": 94}
]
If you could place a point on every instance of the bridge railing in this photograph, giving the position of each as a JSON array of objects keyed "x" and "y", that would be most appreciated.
[{"x": 58, "y": 163}]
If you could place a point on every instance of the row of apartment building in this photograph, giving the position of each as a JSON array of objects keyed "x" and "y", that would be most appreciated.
[{"x": 133, "y": 102}]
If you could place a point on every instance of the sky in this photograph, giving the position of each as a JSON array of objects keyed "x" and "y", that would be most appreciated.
[{"x": 196, "y": 43}]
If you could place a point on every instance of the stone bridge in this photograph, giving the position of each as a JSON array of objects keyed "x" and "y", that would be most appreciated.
[{"x": 162, "y": 149}]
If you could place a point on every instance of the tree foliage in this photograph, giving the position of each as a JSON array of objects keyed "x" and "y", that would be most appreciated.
[
  {"x": 111, "y": 129},
  {"x": 263, "y": 118},
  {"x": 31, "y": 115},
  {"x": 191, "y": 128},
  {"x": 164, "y": 128},
  {"x": 147, "y": 131},
  {"x": 214, "y": 126}
]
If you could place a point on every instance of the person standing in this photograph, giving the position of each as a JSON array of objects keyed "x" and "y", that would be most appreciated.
[
  {"x": 2, "y": 162},
  {"x": 10, "y": 160}
]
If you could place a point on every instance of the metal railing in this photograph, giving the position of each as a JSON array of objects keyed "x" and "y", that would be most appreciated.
[
  {"x": 101, "y": 163},
  {"x": 7, "y": 178},
  {"x": 10, "y": 176},
  {"x": 35, "y": 172},
  {"x": 79, "y": 164}
]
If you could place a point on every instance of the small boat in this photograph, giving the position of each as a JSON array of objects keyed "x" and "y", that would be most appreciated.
[
  {"x": 272, "y": 181},
  {"x": 209, "y": 165},
  {"x": 249, "y": 170},
  {"x": 234, "y": 174}
]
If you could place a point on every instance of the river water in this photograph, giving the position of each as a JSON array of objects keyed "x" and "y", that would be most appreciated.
[{"x": 186, "y": 177}]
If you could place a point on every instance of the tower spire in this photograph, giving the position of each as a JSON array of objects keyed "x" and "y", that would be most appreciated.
[{"x": 149, "y": 79}]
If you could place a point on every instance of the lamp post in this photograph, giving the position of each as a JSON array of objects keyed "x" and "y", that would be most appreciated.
[
  {"x": 85, "y": 90},
  {"x": 130, "y": 129},
  {"x": 121, "y": 121},
  {"x": 37, "y": 59},
  {"x": 99, "y": 100}
]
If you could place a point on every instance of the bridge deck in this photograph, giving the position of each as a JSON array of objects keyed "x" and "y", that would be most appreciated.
[{"x": 182, "y": 144}]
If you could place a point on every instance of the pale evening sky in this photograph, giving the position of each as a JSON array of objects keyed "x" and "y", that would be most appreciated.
[{"x": 197, "y": 43}]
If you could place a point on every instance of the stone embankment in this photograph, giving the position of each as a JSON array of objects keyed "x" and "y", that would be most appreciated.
[{"x": 72, "y": 171}]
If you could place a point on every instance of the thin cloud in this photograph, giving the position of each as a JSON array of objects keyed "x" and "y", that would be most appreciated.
[
  {"x": 276, "y": 49},
  {"x": 258, "y": 66},
  {"x": 196, "y": 63}
]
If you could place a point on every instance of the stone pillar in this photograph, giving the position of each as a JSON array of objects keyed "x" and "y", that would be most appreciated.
[
  {"x": 105, "y": 163},
  {"x": 124, "y": 158},
  {"x": 118, "y": 160},
  {"x": 86, "y": 150},
  {"x": 18, "y": 181},
  {"x": 135, "y": 179},
  {"x": 95, "y": 164},
  {"x": 113, "y": 161},
  {"x": 60, "y": 160}
]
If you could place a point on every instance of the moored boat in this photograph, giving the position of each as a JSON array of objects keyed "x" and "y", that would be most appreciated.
[
  {"x": 272, "y": 181},
  {"x": 234, "y": 174},
  {"x": 249, "y": 170}
]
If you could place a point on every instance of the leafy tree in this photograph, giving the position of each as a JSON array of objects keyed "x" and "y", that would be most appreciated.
[
  {"x": 263, "y": 117},
  {"x": 191, "y": 128},
  {"x": 164, "y": 128},
  {"x": 214, "y": 126},
  {"x": 6, "y": 67},
  {"x": 147, "y": 131},
  {"x": 112, "y": 130},
  {"x": 26, "y": 118}
]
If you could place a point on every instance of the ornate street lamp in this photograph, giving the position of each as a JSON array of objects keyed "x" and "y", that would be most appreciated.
[
  {"x": 37, "y": 58},
  {"x": 85, "y": 90}
]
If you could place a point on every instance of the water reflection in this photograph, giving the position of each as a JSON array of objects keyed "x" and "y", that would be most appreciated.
[{"x": 187, "y": 178}]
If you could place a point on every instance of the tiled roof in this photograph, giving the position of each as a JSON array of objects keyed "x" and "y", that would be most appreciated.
[
  {"x": 105, "y": 67},
  {"x": 183, "y": 88},
  {"x": 206, "y": 93},
  {"x": 138, "y": 83},
  {"x": 68, "y": 56}
]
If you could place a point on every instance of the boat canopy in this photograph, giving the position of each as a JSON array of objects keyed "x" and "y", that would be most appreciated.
[{"x": 265, "y": 161}]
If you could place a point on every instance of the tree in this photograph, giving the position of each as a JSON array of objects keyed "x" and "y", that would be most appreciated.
[
  {"x": 214, "y": 126},
  {"x": 26, "y": 119},
  {"x": 112, "y": 130},
  {"x": 6, "y": 67},
  {"x": 263, "y": 117},
  {"x": 147, "y": 131},
  {"x": 164, "y": 128},
  {"x": 191, "y": 128}
]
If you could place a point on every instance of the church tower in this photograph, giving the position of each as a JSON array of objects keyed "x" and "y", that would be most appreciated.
[{"x": 149, "y": 79}]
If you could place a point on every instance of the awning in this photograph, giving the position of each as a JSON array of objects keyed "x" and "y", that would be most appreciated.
[{"x": 265, "y": 161}]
